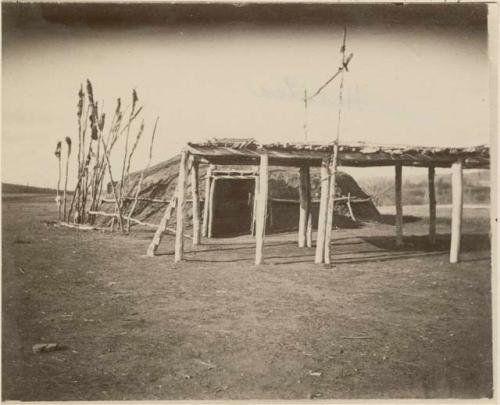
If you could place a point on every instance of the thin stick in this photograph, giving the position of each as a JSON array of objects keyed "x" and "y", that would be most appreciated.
[
  {"x": 134, "y": 100},
  {"x": 305, "y": 115},
  {"x": 79, "y": 115},
  {"x": 58, "y": 197},
  {"x": 153, "y": 246},
  {"x": 349, "y": 207},
  {"x": 78, "y": 185},
  {"x": 115, "y": 195},
  {"x": 356, "y": 337},
  {"x": 79, "y": 196},
  {"x": 139, "y": 184},
  {"x": 68, "y": 142},
  {"x": 101, "y": 162},
  {"x": 135, "y": 220},
  {"x": 339, "y": 71},
  {"x": 134, "y": 147},
  {"x": 114, "y": 128}
]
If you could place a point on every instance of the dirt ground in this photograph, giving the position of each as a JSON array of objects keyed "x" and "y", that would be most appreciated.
[{"x": 381, "y": 323}]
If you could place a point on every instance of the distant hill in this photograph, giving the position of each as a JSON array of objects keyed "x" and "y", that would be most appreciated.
[
  {"x": 9, "y": 188},
  {"x": 415, "y": 191}
]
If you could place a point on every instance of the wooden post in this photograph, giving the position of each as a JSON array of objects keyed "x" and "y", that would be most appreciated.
[
  {"x": 456, "y": 211},
  {"x": 181, "y": 202},
  {"x": 309, "y": 211},
  {"x": 254, "y": 211},
  {"x": 153, "y": 246},
  {"x": 323, "y": 206},
  {"x": 261, "y": 208},
  {"x": 432, "y": 206},
  {"x": 211, "y": 206},
  {"x": 195, "y": 191},
  {"x": 304, "y": 206},
  {"x": 399, "y": 204},
  {"x": 331, "y": 203},
  {"x": 349, "y": 207},
  {"x": 206, "y": 206}
]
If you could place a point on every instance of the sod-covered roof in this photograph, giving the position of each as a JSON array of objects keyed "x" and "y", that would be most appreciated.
[{"x": 233, "y": 151}]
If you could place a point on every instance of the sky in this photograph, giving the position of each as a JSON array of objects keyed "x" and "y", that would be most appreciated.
[{"x": 419, "y": 76}]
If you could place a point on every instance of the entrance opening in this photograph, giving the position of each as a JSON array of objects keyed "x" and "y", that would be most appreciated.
[{"x": 233, "y": 206}]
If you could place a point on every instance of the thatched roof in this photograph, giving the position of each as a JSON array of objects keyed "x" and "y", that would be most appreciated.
[{"x": 233, "y": 151}]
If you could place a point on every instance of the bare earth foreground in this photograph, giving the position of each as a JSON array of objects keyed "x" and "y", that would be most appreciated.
[{"x": 383, "y": 322}]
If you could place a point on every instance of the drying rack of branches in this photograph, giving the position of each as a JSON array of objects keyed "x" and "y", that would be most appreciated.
[{"x": 96, "y": 142}]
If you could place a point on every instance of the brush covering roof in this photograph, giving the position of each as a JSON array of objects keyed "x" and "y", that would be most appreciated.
[{"x": 234, "y": 151}]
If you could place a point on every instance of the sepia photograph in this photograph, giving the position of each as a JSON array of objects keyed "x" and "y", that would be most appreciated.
[{"x": 248, "y": 201}]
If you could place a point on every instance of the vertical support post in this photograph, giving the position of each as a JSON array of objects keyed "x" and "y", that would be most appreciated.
[
  {"x": 309, "y": 211},
  {"x": 211, "y": 207},
  {"x": 432, "y": 205},
  {"x": 304, "y": 206},
  {"x": 261, "y": 208},
  {"x": 331, "y": 204},
  {"x": 195, "y": 192},
  {"x": 399, "y": 204},
  {"x": 456, "y": 210},
  {"x": 493, "y": 49},
  {"x": 207, "y": 199},
  {"x": 255, "y": 198},
  {"x": 181, "y": 202},
  {"x": 323, "y": 206}
]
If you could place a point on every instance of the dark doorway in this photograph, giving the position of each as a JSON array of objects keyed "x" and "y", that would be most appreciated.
[{"x": 233, "y": 206}]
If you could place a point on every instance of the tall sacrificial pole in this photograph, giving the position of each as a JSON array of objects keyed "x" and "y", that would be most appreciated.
[{"x": 325, "y": 220}]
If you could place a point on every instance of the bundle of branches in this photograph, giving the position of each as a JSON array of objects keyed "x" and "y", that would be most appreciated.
[{"x": 94, "y": 155}]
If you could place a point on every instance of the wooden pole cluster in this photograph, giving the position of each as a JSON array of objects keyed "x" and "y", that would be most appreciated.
[
  {"x": 187, "y": 166},
  {"x": 93, "y": 158}
]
